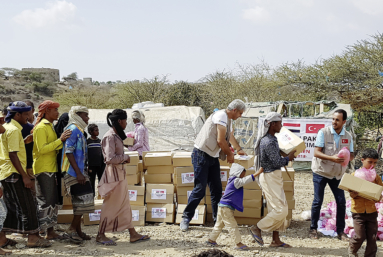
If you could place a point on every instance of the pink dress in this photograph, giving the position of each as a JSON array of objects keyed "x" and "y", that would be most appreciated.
[
  {"x": 141, "y": 139},
  {"x": 116, "y": 214}
]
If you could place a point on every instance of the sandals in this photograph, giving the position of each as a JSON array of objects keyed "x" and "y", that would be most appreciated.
[
  {"x": 141, "y": 239},
  {"x": 9, "y": 242},
  {"x": 256, "y": 238},
  {"x": 73, "y": 237},
  {"x": 40, "y": 243},
  {"x": 211, "y": 243},
  {"x": 283, "y": 245},
  {"x": 84, "y": 236},
  {"x": 107, "y": 243},
  {"x": 242, "y": 248}
]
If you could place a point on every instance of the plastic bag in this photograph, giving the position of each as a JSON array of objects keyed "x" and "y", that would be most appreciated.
[
  {"x": 130, "y": 134},
  {"x": 306, "y": 215},
  {"x": 331, "y": 224},
  {"x": 366, "y": 174},
  {"x": 344, "y": 153},
  {"x": 351, "y": 233}
]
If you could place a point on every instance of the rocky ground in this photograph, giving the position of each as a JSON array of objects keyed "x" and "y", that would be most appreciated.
[{"x": 168, "y": 240}]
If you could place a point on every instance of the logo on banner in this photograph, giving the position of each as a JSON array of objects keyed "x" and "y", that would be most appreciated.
[
  {"x": 293, "y": 127},
  {"x": 344, "y": 141},
  {"x": 313, "y": 128}
]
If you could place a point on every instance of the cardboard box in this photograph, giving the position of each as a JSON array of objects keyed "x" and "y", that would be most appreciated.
[
  {"x": 209, "y": 208},
  {"x": 291, "y": 204},
  {"x": 65, "y": 216},
  {"x": 134, "y": 179},
  {"x": 182, "y": 159},
  {"x": 159, "y": 193},
  {"x": 137, "y": 195},
  {"x": 158, "y": 178},
  {"x": 289, "y": 174},
  {"x": 134, "y": 158},
  {"x": 144, "y": 153},
  {"x": 254, "y": 203},
  {"x": 94, "y": 217},
  {"x": 224, "y": 163},
  {"x": 129, "y": 141},
  {"x": 247, "y": 221},
  {"x": 67, "y": 200},
  {"x": 183, "y": 194},
  {"x": 140, "y": 166},
  {"x": 247, "y": 161},
  {"x": 254, "y": 185},
  {"x": 289, "y": 195},
  {"x": 209, "y": 217},
  {"x": 288, "y": 186},
  {"x": 364, "y": 188},
  {"x": 138, "y": 215},
  {"x": 131, "y": 169},
  {"x": 184, "y": 176},
  {"x": 225, "y": 171},
  {"x": 199, "y": 215},
  {"x": 160, "y": 169},
  {"x": 289, "y": 142},
  {"x": 252, "y": 194},
  {"x": 160, "y": 212},
  {"x": 158, "y": 159},
  {"x": 248, "y": 213}
]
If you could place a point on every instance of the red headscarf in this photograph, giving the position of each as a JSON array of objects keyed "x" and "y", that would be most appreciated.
[{"x": 43, "y": 107}]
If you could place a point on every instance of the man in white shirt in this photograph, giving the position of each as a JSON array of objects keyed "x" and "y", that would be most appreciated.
[{"x": 212, "y": 143}]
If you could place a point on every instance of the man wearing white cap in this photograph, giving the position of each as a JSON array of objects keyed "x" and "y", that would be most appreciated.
[{"x": 267, "y": 156}]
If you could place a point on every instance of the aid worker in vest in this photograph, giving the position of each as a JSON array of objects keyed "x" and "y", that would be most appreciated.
[
  {"x": 212, "y": 143},
  {"x": 327, "y": 170}
]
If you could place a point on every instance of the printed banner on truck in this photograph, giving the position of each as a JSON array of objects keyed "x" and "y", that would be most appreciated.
[{"x": 307, "y": 129}]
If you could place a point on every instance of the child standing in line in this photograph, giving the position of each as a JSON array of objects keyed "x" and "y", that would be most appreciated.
[
  {"x": 95, "y": 157},
  {"x": 232, "y": 200},
  {"x": 364, "y": 212}
]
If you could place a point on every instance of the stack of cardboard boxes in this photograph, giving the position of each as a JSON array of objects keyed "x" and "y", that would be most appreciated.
[
  {"x": 65, "y": 215},
  {"x": 137, "y": 203},
  {"x": 252, "y": 202},
  {"x": 225, "y": 170},
  {"x": 159, "y": 167},
  {"x": 159, "y": 187},
  {"x": 133, "y": 169},
  {"x": 184, "y": 181}
]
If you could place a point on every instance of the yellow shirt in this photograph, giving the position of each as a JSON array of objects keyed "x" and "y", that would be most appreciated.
[
  {"x": 11, "y": 141},
  {"x": 45, "y": 147}
]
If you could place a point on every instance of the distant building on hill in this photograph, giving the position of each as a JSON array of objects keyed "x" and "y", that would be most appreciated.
[{"x": 52, "y": 75}]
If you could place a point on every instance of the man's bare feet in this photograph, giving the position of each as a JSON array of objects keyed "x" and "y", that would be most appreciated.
[
  {"x": 53, "y": 236},
  {"x": 211, "y": 242},
  {"x": 280, "y": 244},
  {"x": 257, "y": 234},
  {"x": 138, "y": 237}
]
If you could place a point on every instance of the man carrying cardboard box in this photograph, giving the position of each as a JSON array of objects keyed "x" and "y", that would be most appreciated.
[
  {"x": 212, "y": 143},
  {"x": 269, "y": 158},
  {"x": 327, "y": 169}
]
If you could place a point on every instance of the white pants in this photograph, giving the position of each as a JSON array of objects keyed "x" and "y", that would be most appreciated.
[
  {"x": 226, "y": 218},
  {"x": 272, "y": 187}
]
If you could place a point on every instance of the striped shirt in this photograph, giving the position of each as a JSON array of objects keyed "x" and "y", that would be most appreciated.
[{"x": 95, "y": 157}]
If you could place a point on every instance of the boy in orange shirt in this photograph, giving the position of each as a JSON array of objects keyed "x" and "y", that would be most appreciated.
[{"x": 364, "y": 212}]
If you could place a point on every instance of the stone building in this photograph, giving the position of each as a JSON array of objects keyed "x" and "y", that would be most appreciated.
[{"x": 52, "y": 75}]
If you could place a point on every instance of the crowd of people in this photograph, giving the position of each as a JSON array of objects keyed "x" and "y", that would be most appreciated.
[{"x": 44, "y": 155}]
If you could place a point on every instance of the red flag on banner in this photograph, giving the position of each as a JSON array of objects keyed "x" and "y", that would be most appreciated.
[{"x": 314, "y": 128}]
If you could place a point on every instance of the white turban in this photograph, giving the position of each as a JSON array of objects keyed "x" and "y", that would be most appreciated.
[
  {"x": 75, "y": 119},
  {"x": 138, "y": 115},
  {"x": 262, "y": 131}
]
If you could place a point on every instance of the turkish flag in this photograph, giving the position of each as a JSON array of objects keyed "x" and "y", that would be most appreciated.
[
  {"x": 344, "y": 141},
  {"x": 314, "y": 128}
]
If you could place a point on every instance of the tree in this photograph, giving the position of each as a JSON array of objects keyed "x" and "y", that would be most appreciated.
[{"x": 71, "y": 77}]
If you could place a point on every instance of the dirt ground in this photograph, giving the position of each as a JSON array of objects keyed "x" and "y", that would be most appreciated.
[{"x": 168, "y": 240}]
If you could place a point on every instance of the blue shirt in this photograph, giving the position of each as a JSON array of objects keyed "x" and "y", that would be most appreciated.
[
  {"x": 76, "y": 145},
  {"x": 270, "y": 156},
  {"x": 320, "y": 139}
]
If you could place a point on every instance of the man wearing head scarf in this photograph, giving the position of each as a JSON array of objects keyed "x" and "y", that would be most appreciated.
[
  {"x": 212, "y": 143},
  {"x": 45, "y": 149},
  {"x": 18, "y": 198},
  {"x": 269, "y": 158},
  {"x": 75, "y": 172},
  {"x": 141, "y": 133}
]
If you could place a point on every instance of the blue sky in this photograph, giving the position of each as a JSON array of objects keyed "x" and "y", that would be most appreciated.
[{"x": 186, "y": 40}]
